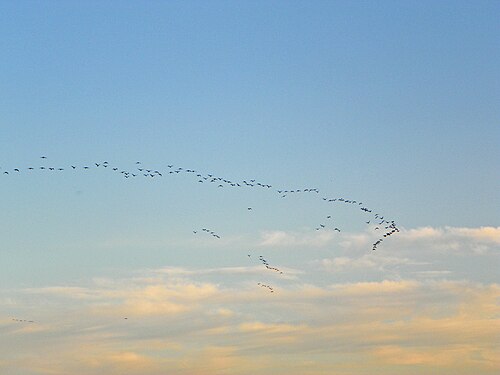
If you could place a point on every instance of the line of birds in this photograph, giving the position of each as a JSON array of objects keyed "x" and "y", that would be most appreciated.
[
  {"x": 284, "y": 193},
  {"x": 23, "y": 320},
  {"x": 376, "y": 220},
  {"x": 219, "y": 181},
  {"x": 149, "y": 172},
  {"x": 271, "y": 289},
  {"x": 211, "y": 232},
  {"x": 266, "y": 264}
]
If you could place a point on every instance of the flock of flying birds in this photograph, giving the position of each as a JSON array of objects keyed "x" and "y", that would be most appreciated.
[
  {"x": 23, "y": 320},
  {"x": 380, "y": 223},
  {"x": 210, "y": 232}
]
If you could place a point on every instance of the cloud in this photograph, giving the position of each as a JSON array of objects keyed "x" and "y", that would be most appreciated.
[
  {"x": 486, "y": 234},
  {"x": 67, "y": 291},
  {"x": 296, "y": 239},
  {"x": 260, "y": 327},
  {"x": 375, "y": 261},
  {"x": 193, "y": 327},
  {"x": 455, "y": 239},
  {"x": 238, "y": 271},
  {"x": 347, "y": 314},
  {"x": 438, "y": 273}
]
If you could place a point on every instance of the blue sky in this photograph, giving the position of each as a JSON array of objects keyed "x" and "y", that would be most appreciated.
[{"x": 394, "y": 104}]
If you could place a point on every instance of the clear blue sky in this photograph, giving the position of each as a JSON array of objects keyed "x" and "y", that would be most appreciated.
[{"x": 391, "y": 103}]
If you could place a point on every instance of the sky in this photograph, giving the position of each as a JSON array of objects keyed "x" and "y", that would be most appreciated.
[{"x": 209, "y": 179}]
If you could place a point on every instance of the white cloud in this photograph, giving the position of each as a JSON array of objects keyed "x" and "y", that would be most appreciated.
[
  {"x": 375, "y": 261},
  {"x": 296, "y": 239},
  {"x": 482, "y": 235}
]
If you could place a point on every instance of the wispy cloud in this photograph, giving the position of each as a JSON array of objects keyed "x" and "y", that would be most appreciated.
[
  {"x": 295, "y": 239},
  {"x": 435, "y": 324},
  {"x": 446, "y": 238},
  {"x": 218, "y": 320},
  {"x": 380, "y": 262}
]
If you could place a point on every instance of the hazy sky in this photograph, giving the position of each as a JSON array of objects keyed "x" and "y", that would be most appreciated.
[{"x": 390, "y": 104}]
